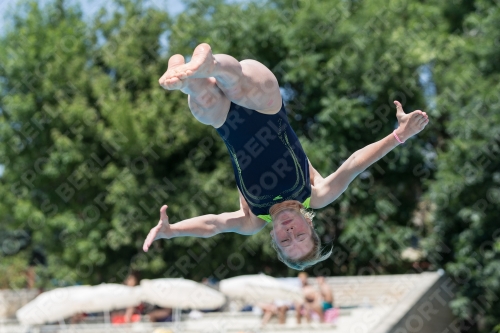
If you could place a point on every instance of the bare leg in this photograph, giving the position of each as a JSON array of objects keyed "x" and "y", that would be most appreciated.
[
  {"x": 247, "y": 83},
  {"x": 318, "y": 308},
  {"x": 159, "y": 314},
  {"x": 298, "y": 309},
  {"x": 207, "y": 102},
  {"x": 269, "y": 311},
  {"x": 308, "y": 314},
  {"x": 282, "y": 314},
  {"x": 267, "y": 316}
]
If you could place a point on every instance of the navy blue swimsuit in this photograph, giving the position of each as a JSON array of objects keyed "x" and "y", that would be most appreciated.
[{"x": 269, "y": 163}]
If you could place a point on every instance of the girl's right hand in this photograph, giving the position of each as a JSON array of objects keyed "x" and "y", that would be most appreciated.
[{"x": 162, "y": 229}]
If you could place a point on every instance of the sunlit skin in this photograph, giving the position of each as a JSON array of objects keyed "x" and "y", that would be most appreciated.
[
  {"x": 214, "y": 81},
  {"x": 292, "y": 233}
]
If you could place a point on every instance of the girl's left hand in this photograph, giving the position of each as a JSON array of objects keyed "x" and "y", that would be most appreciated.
[{"x": 409, "y": 124}]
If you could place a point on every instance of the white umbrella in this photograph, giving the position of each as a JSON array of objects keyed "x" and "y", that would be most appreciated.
[
  {"x": 61, "y": 303},
  {"x": 181, "y": 294},
  {"x": 50, "y": 306},
  {"x": 253, "y": 289},
  {"x": 110, "y": 296}
]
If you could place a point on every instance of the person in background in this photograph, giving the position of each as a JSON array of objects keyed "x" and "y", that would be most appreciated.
[
  {"x": 278, "y": 308},
  {"x": 131, "y": 280},
  {"x": 159, "y": 314},
  {"x": 312, "y": 301},
  {"x": 77, "y": 318},
  {"x": 326, "y": 293}
]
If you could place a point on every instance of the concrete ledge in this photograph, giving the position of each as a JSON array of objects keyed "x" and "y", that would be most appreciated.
[
  {"x": 13, "y": 300},
  {"x": 407, "y": 315}
]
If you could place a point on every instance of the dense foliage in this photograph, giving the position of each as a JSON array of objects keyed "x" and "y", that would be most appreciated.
[{"x": 91, "y": 146}]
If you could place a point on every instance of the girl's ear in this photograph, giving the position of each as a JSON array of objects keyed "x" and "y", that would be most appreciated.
[{"x": 271, "y": 233}]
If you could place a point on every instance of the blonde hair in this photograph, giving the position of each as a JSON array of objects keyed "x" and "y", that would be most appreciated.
[{"x": 313, "y": 257}]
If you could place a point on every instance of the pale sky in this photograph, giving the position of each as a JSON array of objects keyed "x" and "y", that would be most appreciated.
[{"x": 90, "y": 7}]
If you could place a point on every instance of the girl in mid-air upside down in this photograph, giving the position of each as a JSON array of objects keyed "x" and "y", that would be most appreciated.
[{"x": 276, "y": 181}]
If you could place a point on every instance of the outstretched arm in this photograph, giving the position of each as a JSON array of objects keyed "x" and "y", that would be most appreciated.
[
  {"x": 335, "y": 184},
  {"x": 204, "y": 226}
]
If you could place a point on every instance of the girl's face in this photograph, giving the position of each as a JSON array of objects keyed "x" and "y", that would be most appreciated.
[{"x": 292, "y": 233}]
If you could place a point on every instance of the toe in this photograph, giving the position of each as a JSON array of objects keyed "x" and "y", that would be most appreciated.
[
  {"x": 175, "y": 61},
  {"x": 164, "y": 82},
  {"x": 177, "y": 84},
  {"x": 171, "y": 83},
  {"x": 184, "y": 75}
]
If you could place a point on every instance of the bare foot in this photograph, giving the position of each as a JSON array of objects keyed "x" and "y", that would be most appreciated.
[
  {"x": 169, "y": 80},
  {"x": 202, "y": 64},
  {"x": 196, "y": 86}
]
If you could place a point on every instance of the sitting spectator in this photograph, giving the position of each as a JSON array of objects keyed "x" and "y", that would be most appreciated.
[
  {"x": 131, "y": 314},
  {"x": 159, "y": 314},
  {"x": 131, "y": 280},
  {"x": 278, "y": 308},
  {"x": 77, "y": 318},
  {"x": 312, "y": 302},
  {"x": 326, "y": 293}
]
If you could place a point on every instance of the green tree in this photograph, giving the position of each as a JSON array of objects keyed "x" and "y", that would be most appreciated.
[
  {"x": 359, "y": 58},
  {"x": 92, "y": 147},
  {"x": 66, "y": 105},
  {"x": 114, "y": 146},
  {"x": 466, "y": 193},
  {"x": 341, "y": 64}
]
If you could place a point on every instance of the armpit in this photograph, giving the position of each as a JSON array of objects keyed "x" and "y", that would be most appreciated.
[{"x": 314, "y": 175}]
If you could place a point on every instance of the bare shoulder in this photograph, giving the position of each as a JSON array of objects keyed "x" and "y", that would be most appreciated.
[
  {"x": 314, "y": 175},
  {"x": 331, "y": 187},
  {"x": 252, "y": 224},
  {"x": 316, "y": 199},
  {"x": 238, "y": 222}
]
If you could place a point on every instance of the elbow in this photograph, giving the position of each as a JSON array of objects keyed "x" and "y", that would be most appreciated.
[
  {"x": 217, "y": 224},
  {"x": 354, "y": 163},
  {"x": 211, "y": 226}
]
